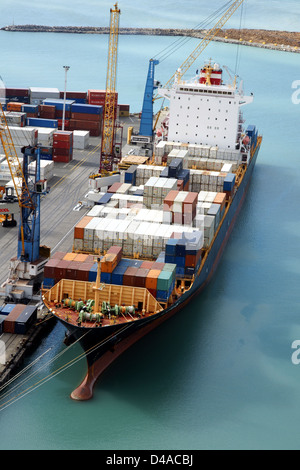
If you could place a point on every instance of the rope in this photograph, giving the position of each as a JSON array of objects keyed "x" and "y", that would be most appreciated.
[
  {"x": 34, "y": 373},
  {"x": 60, "y": 369},
  {"x": 175, "y": 45}
]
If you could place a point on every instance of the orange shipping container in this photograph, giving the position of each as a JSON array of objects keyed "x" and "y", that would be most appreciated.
[
  {"x": 169, "y": 200},
  {"x": 220, "y": 199},
  {"x": 80, "y": 226},
  {"x": 81, "y": 258},
  {"x": 109, "y": 262},
  {"x": 70, "y": 256},
  {"x": 151, "y": 279}
]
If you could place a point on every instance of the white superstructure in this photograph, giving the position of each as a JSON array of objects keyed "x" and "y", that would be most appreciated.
[{"x": 205, "y": 111}]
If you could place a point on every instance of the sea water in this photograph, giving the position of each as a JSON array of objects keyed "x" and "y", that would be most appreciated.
[{"x": 219, "y": 375}]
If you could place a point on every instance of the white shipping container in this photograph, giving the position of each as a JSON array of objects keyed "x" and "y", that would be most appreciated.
[
  {"x": 96, "y": 211},
  {"x": 81, "y": 139}
]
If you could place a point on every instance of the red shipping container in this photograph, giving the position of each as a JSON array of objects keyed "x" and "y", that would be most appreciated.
[
  {"x": 60, "y": 122},
  {"x": 117, "y": 250},
  {"x": 62, "y": 152},
  {"x": 62, "y": 158},
  {"x": 59, "y": 114},
  {"x": 86, "y": 117},
  {"x": 140, "y": 277},
  {"x": 16, "y": 92},
  {"x": 49, "y": 267},
  {"x": 65, "y": 136},
  {"x": 114, "y": 187},
  {"x": 61, "y": 145},
  {"x": 72, "y": 270},
  {"x": 147, "y": 264},
  {"x": 129, "y": 276},
  {"x": 10, "y": 320},
  {"x": 74, "y": 94},
  {"x": 83, "y": 271},
  {"x": 153, "y": 292},
  {"x": 60, "y": 270}
]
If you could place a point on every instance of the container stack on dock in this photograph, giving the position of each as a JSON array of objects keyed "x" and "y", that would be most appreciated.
[{"x": 62, "y": 146}]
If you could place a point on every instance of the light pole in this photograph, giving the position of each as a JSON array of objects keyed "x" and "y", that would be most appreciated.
[{"x": 66, "y": 67}]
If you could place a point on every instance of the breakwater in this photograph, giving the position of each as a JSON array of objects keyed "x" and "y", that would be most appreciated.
[{"x": 268, "y": 39}]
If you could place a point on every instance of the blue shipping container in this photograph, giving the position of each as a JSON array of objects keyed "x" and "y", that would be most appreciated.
[
  {"x": 250, "y": 130},
  {"x": 171, "y": 246},
  {"x": 93, "y": 273},
  {"x": 229, "y": 181},
  {"x": 7, "y": 308},
  {"x": 105, "y": 198},
  {"x": 86, "y": 108},
  {"x": 162, "y": 295},
  {"x": 105, "y": 277},
  {"x": 48, "y": 282},
  {"x": 25, "y": 320},
  {"x": 38, "y": 122},
  {"x": 180, "y": 248},
  {"x": 117, "y": 274},
  {"x": 59, "y": 104}
]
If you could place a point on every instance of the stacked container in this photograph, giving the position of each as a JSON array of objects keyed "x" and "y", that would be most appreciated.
[
  {"x": 38, "y": 94},
  {"x": 97, "y": 97},
  {"x": 62, "y": 146},
  {"x": 18, "y": 94},
  {"x": 58, "y": 105},
  {"x": 185, "y": 252},
  {"x": 86, "y": 117},
  {"x": 76, "y": 96},
  {"x": 182, "y": 205}
]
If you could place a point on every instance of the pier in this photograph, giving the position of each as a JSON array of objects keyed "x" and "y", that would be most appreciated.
[{"x": 266, "y": 39}]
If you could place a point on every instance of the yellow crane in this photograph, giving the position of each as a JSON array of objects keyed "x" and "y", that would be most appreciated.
[
  {"x": 108, "y": 154},
  {"x": 201, "y": 46},
  {"x": 21, "y": 188}
]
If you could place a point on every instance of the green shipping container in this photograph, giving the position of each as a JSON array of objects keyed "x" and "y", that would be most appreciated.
[{"x": 164, "y": 280}]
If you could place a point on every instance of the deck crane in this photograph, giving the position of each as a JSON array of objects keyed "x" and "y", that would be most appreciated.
[
  {"x": 110, "y": 149},
  {"x": 28, "y": 189},
  {"x": 148, "y": 129}
]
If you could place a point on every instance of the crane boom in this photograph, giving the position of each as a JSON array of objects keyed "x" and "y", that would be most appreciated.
[
  {"x": 107, "y": 147},
  {"x": 15, "y": 167},
  {"x": 206, "y": 40}
]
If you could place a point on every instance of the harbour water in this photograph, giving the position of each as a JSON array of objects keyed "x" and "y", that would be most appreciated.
[{"x": 219, "y": 375}]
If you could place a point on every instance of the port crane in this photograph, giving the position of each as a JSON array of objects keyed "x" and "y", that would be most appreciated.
[
  {"x": 28, "y": 189},
  {"x": 146, "y": 128},
  {"x": 110, "y": 153}
]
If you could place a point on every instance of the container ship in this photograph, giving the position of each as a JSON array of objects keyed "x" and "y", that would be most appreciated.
[{"x": 154, "y": 238}]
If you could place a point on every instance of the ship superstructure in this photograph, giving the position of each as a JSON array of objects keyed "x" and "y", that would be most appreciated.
[{"x": 206, "y": 111}]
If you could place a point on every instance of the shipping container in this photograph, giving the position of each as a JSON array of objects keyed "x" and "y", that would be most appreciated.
[
  {"x": 79, "y": 227},
  {"x": 10, "y": 321},
  {"x": 26, "y": 318}
]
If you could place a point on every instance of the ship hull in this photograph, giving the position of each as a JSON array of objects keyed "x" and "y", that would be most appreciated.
[{"x": 103, "y": 345}]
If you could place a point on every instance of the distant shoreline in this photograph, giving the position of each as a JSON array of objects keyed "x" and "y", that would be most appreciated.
[{"x": 268, "y": 39}]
